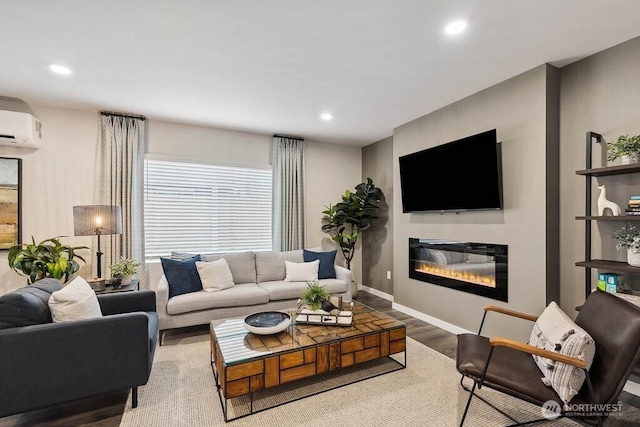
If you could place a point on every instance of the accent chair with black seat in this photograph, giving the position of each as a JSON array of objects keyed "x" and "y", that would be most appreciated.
[
  {"x": 43, "y": 363},
  {"x": 509, "y": 367}
]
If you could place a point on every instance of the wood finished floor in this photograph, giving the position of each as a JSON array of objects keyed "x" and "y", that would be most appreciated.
[{"x": 106, "y": 410}]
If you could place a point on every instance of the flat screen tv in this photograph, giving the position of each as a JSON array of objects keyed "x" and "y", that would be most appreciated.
[{"x": 457, "y": 176}]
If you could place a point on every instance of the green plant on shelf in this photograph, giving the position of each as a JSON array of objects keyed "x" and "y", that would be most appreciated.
[
  {"x": 628, "y": 237},
  {"x": 625, "y": 145}
]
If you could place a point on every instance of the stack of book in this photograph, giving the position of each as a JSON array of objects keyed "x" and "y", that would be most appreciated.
[{"x": 634, "y": 206}]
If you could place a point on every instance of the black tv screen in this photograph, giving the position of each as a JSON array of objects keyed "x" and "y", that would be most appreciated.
[{"x": 460, "y": 175}]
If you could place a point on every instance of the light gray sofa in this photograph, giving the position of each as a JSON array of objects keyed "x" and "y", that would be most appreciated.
[{"x": 259, "y": 286}]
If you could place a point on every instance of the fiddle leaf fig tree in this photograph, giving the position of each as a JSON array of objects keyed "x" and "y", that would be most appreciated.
[
  {"x": 347, "y": 219},
  {"x": 49, "y": 258}
]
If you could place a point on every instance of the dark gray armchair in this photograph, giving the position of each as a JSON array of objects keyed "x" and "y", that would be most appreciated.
[{"x": 44, "y": 363}]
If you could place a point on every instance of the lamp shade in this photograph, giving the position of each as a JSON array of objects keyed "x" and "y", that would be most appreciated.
[{"x": 91, "y": 220}]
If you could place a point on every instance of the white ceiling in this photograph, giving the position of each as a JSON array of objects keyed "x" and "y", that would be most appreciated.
[{"x": 272, "y": 66}]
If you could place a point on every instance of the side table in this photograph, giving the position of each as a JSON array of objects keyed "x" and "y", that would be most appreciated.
[{"x": 133, "y": 286}]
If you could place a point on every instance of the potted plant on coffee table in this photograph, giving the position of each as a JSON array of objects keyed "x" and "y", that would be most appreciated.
[
  {"x": 314, "y": 295},
  {"x": 628, "y": 237}
]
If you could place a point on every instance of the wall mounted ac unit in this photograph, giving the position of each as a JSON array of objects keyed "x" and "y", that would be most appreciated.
[{"x": 19, "y": 126}]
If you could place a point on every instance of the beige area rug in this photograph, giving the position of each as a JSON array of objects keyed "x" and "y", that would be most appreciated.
[{"x": 181, "y": 392}]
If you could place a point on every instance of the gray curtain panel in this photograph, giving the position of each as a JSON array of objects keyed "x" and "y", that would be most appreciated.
[
  {"x": 288, "y": 194},
  {"x": 120, "y": 181}
]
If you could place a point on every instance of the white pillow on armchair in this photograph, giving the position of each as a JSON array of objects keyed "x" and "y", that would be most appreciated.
[{"x": 76, "y": 301}]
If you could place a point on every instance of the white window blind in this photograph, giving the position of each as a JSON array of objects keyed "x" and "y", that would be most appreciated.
[{"x": 201, "y": 208}]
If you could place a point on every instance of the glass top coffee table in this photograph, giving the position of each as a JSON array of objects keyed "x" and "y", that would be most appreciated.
[{"x": 244, "y": 363}]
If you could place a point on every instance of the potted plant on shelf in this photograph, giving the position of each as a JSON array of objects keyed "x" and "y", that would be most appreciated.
[
  {"x": 628, "y": 237},
  {"x": 625, "y": 147},
  {"x": 49, "y": 258},
  {"x": 123, "y": 270},
  {"x": 314, "y": 295}
]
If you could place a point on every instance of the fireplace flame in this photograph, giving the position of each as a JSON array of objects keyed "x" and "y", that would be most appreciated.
[{"x": 450, "y": 273}]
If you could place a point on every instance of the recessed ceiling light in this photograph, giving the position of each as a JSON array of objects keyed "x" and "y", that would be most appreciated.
[
  {"x": 326, "y": 116},
  {"x": 60, "y": 69},
  {"x": 455, "y": 27}
]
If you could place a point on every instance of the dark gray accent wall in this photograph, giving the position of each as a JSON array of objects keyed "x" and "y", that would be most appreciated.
[
  {"x": 600, "y": 93},
  {"x": 377, "y": 242},
  {"x": 519, "y": 108}
]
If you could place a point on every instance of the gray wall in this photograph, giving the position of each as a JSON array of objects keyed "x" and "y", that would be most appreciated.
[
  {"x": 518, "y": 108},
  {"x": 600, "y": 93},
  {"x": 377, "y": 242}
]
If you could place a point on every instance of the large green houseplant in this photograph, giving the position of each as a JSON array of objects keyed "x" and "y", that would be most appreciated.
[
  {"x": 49, "y": 258},
  {"x": 347, "y": 219}
]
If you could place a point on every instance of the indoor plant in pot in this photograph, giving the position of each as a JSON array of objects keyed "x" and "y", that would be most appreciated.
[
  {"x": 49, "y": 258},
  {"x": 346, "y": 220},
  {"x": 628, "y": 237},
  {"x": 314, "y": 295},
  {"x": 625, "y": 147},
  {"x": 123, "y": 270}
]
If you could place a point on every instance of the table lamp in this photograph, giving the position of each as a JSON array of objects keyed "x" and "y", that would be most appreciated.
[{"x": 97, "y": 220}]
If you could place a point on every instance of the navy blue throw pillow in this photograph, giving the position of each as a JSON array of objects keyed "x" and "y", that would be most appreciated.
[
  {"x": 182, "y": 275},
  {"x": 327, "y": 269}
]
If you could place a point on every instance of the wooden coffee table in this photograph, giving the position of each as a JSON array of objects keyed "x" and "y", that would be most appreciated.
[{"x": 244, "y": 363}]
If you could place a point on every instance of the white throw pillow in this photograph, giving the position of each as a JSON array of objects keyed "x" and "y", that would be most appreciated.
[
  {"x": 555, "y": 331},
  {"x": 215, "y": 275},
  {"x": 76, "y": 301},
  {"x": 301, "y": 271}
]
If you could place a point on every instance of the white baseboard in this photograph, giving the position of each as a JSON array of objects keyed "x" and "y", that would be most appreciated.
[
  {"x": 375, "y": 292},
  {"x": 429, "y": 319},
  {"x": 633, "y": 388}
]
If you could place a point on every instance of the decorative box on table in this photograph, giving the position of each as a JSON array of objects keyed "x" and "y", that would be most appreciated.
[{"x": 335, "y": 317}]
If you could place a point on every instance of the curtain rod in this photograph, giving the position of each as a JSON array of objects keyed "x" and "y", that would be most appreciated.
[
  {"x": 113, "y": 113},
  {"x": 277, "y": 135}
]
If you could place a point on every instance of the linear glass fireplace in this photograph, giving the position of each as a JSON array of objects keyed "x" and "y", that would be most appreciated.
[{"x": 478, "y": 268}]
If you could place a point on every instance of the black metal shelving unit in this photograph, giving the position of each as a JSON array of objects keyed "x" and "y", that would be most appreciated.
[{"x": 589, "y": 173}]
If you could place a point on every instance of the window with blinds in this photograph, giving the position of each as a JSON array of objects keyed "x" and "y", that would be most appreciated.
[{"x": 201, "y": 208}]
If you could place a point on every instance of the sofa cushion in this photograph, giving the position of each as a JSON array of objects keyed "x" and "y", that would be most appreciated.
[
  {"x": 437, "y": 257},
  {"x": 270, "y": 265},
  {"x": 327, "y": 269},
  {"x": 29, "y": 305},
  {"x": 301, "y": 271},
  {"x": 215, "y": 275},
  {"x": 280, "y": 290},
  {"x": 75, "y": 301},
  {"x": 240, "y": 295},
  {"x": 455, "y": 257},
  {"x": 477, "y": 258},
  {"x": 555, "y": 331},
  {"x": 182, "y": 275},
  {"x": 241, "y": 264}
]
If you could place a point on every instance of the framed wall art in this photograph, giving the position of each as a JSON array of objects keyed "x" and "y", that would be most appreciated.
[{"x": 10, "y": 202}]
